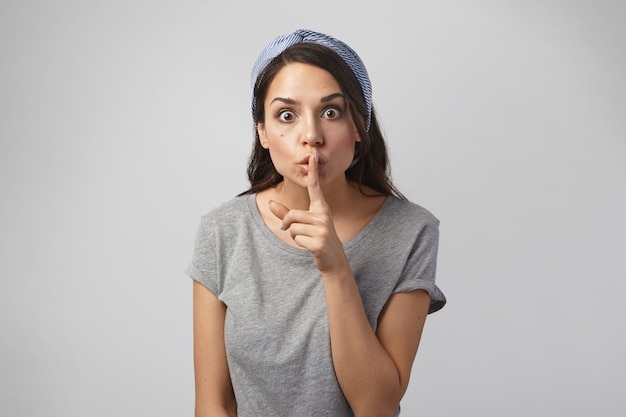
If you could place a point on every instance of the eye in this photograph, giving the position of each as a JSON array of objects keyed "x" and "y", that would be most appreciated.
[
  {"x": 286, "y": 115},
  {"x": 331, "y": 113}
]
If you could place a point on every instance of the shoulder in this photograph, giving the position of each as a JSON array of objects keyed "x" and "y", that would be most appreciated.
[
  {"x": 231, "y": 209},
  {"x": 226, "y": 216},
  {"x": 403, "y": 224},
  {"x": 407, "y": 212}
]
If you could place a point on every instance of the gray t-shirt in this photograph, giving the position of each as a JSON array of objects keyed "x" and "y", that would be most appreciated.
[{"x": 276, "y": 329}]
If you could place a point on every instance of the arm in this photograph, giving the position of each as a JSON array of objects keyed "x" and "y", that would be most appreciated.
[
  {"x": 373, "y": 369},
  {"x": 214, "y": 391}
]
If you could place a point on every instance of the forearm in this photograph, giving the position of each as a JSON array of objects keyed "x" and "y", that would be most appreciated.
[
  {"x": 366, "y": 373},
  {"x": 215, "y": 412}
]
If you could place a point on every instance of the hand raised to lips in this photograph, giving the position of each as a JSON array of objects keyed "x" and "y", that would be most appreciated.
[{"x": 312, "y": 229}]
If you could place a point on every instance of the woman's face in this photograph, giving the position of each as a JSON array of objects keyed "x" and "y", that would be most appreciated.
[{"x": 305, "y": 111}]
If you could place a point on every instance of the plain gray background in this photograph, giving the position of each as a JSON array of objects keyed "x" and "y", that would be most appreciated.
[{"x": 121, "y": 122}]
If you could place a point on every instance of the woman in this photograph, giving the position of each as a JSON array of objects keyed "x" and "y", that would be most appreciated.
[{"x": 311, "y": 288}]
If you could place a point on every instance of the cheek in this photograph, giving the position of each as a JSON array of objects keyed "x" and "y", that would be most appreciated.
[
  {"x": 342, "y": 150},
  {"x": 279, "y": 143},
  {"x": 278, "y": 135},
  {"x": 348, "y": 156},
  {"x": 344, "y": 138},
  {"x": 280, "y": 152}
]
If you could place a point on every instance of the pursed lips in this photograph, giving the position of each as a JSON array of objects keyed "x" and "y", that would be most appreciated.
[{"x": 304, "y": 162}]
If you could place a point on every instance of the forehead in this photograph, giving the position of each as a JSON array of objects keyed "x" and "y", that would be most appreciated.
[{"x": 298, "y": 79}]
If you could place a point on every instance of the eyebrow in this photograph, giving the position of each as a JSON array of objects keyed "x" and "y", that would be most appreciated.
[
  {"x": 331, "y": 97},
  {"x": 293, "y": 102}
]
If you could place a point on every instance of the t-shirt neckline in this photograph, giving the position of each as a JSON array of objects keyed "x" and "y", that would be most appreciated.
[{"x": 276, "y": 241}]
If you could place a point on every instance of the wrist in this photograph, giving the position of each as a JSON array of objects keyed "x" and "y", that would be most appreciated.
[{"x": 334, "y": 266}]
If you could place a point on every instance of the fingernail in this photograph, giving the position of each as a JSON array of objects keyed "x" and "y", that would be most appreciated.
[{"x": 317, "y": 157}]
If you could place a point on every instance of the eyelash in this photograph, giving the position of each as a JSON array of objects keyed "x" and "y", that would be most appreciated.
[
  {"x": 282, "y": 112},
  {"x": 336, "y": 109}
]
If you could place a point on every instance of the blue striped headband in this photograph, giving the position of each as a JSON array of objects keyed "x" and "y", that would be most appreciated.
[{"x": 278, "y": 46}]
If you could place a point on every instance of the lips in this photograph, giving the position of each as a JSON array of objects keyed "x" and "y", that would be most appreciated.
[
  {"x": 304, "y": 163},
  {"x": 305, "y": 160}
]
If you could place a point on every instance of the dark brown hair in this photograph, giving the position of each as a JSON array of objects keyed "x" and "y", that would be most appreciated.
[{"x": 371, "y": 168}]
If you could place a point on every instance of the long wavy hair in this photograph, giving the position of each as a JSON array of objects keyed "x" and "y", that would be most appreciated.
[{"x": 371, "y": 166}]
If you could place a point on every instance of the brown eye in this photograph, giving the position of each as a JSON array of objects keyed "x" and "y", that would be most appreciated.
[
  {"x": 286, "y": 115},
  {"x": 331, "y": 113}
]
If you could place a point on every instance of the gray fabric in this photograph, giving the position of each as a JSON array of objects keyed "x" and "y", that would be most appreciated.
[{"x": 276, "y": 328}]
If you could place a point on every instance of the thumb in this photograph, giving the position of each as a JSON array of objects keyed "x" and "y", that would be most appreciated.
[{"x": 278, "y": 209}]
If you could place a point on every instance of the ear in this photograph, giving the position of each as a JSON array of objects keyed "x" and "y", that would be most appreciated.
[
  {"x": 357, "y": 136},
  {"x": 260, "y": 128}
]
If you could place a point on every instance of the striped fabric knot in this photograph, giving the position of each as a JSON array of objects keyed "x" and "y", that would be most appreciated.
[{"x": 278, "y": 46}]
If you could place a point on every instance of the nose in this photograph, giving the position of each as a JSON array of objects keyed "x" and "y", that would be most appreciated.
[{"x": 312, "y": 132}]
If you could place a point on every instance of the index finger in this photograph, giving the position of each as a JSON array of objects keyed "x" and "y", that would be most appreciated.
[{"x": 316, "y": 196}]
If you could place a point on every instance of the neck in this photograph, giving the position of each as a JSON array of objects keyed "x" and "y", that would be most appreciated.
[{"x": 338, "y": 195}]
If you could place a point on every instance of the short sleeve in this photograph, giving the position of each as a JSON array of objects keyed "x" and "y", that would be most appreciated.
[
  {"x": 203, "y": 265},
  {"x": 421, "y": 266}
]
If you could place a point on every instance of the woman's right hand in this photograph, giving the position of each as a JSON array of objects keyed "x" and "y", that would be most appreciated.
[{"x": 314, "y": 229}]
